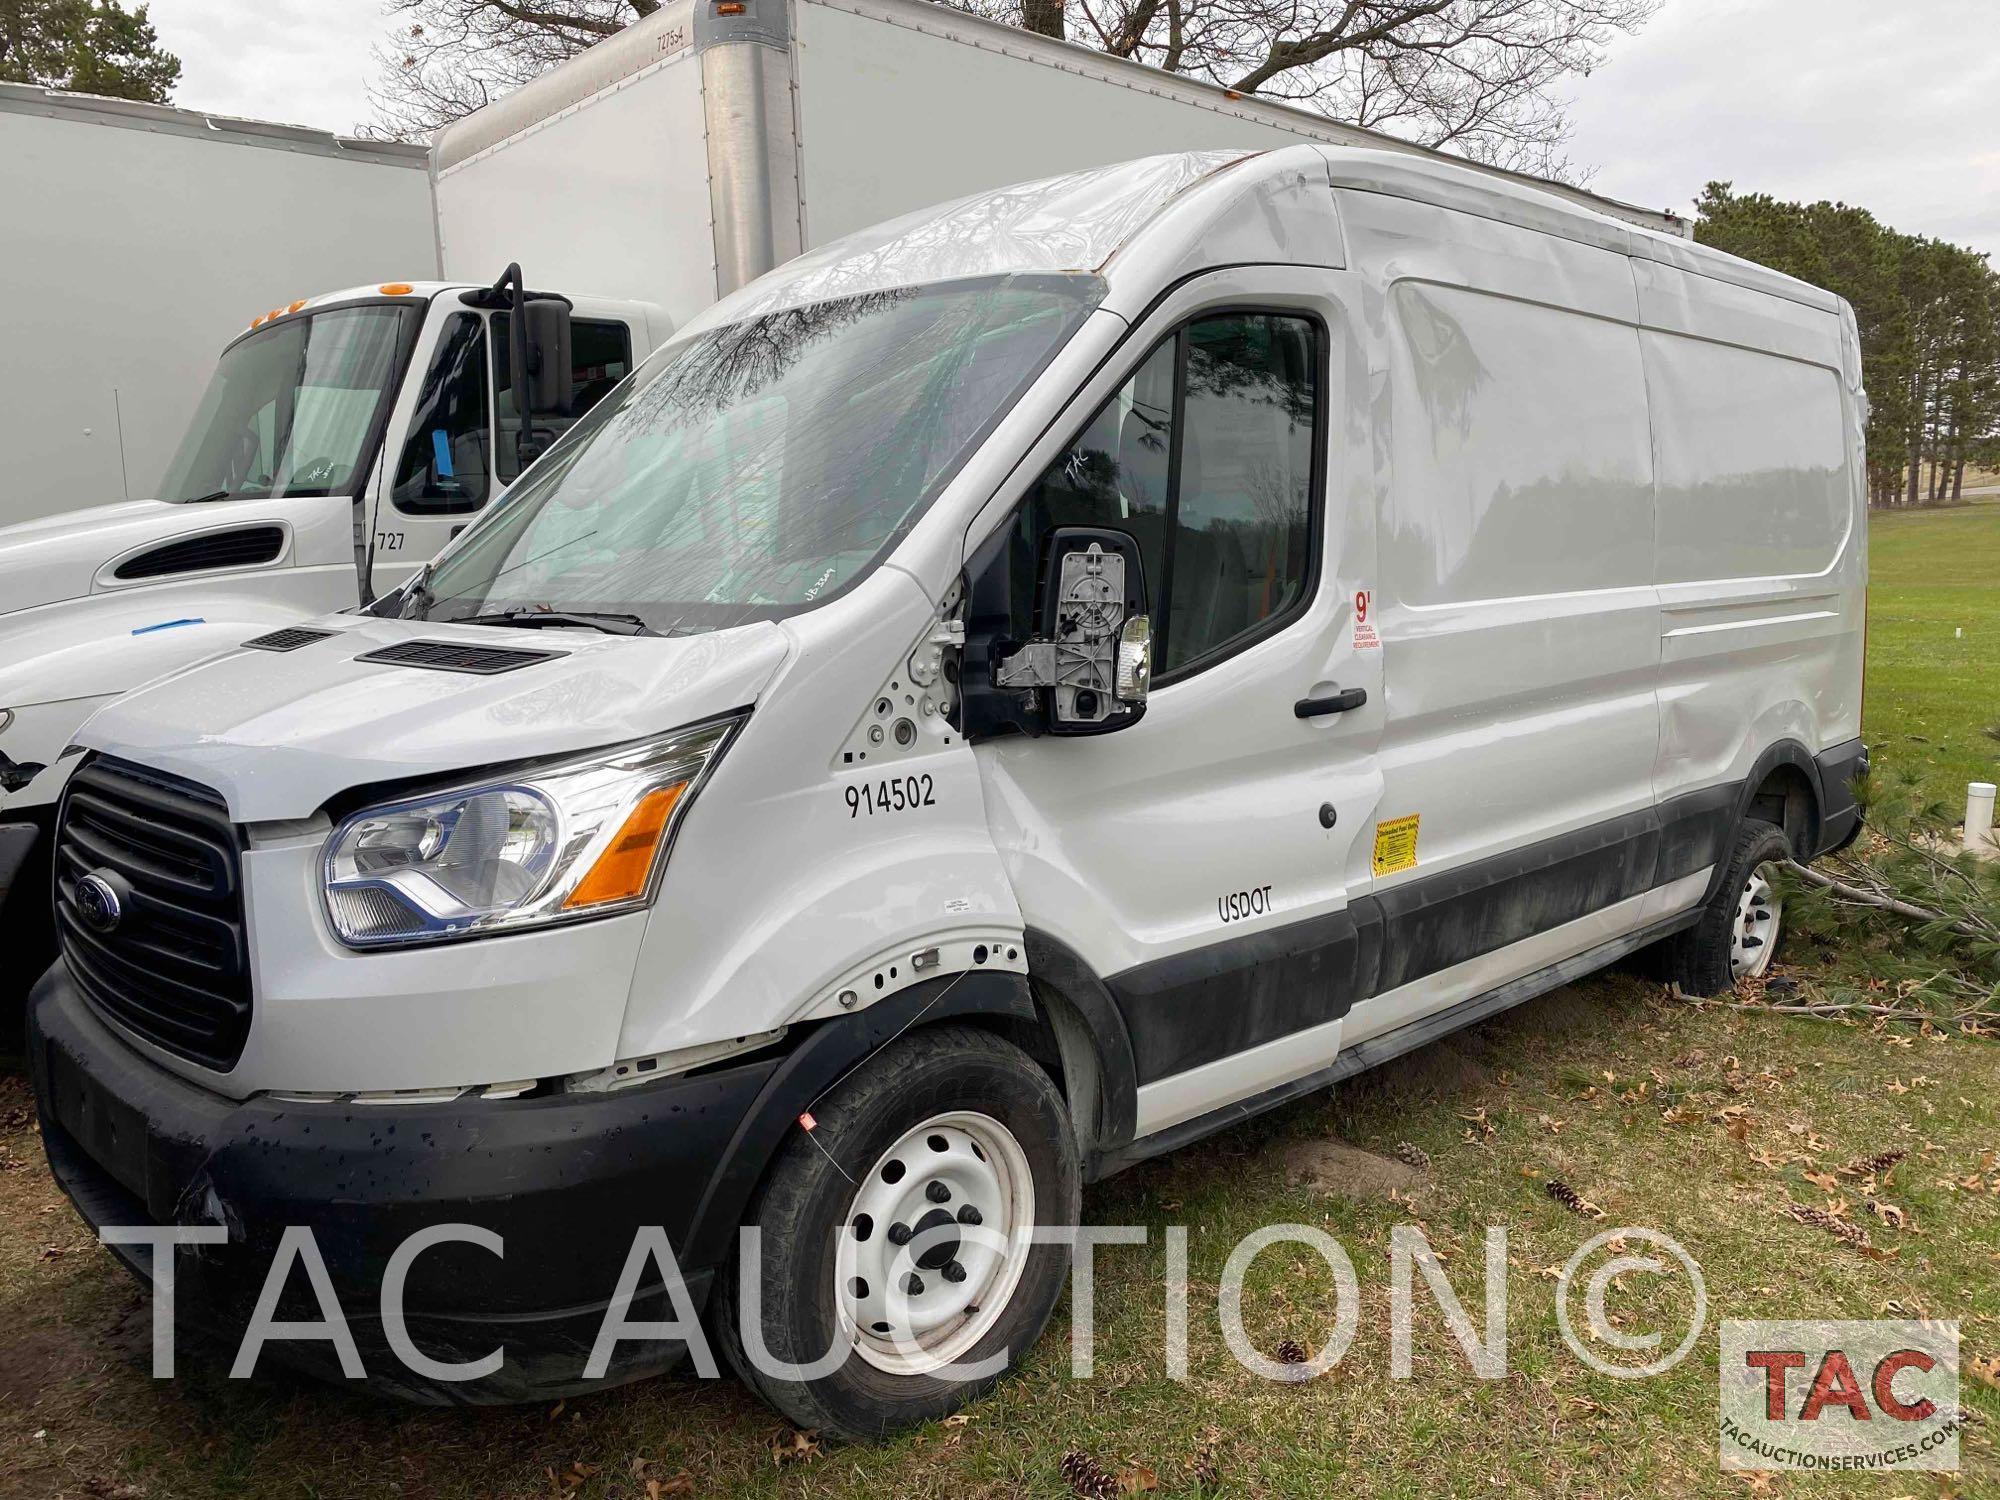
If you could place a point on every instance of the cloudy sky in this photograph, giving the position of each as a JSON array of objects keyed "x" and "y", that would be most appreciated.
[{"x": 1891, "y": 106}]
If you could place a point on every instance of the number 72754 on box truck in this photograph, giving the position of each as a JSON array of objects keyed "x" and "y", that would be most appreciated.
[{"x": 1010, "y": 692}]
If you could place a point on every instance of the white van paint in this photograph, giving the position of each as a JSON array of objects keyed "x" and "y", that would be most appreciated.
[
  {"x": 664, "y": 167},
  {"x": 1454, "y": 673}
]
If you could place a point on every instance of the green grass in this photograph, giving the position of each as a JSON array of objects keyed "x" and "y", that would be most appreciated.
[
  {"x": 1606, "y": 1085},
  {"x": 1934, "y": 645}
]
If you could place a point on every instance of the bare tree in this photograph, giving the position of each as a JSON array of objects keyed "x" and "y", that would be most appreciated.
[
  {"x": 1478, "y": 77},
  {"x": 446, "y": 58}
]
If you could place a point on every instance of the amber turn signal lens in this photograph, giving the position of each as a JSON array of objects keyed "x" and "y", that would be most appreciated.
[
  {"x": 394, "y": 289},
  {"x": 622, "y": 870}
]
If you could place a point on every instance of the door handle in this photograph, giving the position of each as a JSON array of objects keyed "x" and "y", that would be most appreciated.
[{"x": 1333, "y": 703}]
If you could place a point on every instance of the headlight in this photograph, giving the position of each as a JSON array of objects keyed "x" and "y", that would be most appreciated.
[{"x": 582, "y": 839}]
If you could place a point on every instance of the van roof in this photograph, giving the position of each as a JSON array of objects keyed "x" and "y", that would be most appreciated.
[{"x": 1081, "y": 221}]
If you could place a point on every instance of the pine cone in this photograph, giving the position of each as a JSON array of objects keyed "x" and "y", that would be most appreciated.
[
  {"x": 1873, "y": 1166},
  {"x": 1291, "y": 1352},
  {"x": 1081, "y": 1473},
  {"x": 1840, "y": 1229},
  {"x": 1412, "y": 1155},
  {"x": 1566, "y": 1195}
]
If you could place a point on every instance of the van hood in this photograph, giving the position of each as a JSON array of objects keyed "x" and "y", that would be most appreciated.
[
  {"x": 54, "y": 558},
  {"x": 279, "y": 733}
]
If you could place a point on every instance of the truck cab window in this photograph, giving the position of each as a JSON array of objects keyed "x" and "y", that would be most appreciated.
[
  {"x": 1206, "y": 457},
  {"x": 446, "y": 462},
  {"x": 600, "y": 355}
]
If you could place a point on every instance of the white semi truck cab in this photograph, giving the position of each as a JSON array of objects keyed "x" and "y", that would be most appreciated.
[{"x": 342, "y": 441}]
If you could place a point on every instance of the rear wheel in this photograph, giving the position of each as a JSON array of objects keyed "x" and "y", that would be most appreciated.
[
  {"x": 896, "y": 1232},
  {"x": 1742, "y": 925}
]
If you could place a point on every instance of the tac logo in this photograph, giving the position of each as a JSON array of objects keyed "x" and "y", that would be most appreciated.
[{"x": 1839, "y": 1395}]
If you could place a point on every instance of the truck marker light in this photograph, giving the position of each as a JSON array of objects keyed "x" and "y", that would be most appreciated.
[
  {"x": 395, "y": 289},
  {"x": 622, "y": 870},
  {"x": 296, "y": 305}
]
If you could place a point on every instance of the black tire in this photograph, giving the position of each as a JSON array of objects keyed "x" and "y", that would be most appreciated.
[
  {"x": 1698, "y": 959},
  {"x": 805, "y": 1199}
]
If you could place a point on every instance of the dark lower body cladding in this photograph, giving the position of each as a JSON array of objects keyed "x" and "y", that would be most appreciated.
[
  {"x": 27, "y": 929},
  {"x": 567, "y": 1182}
]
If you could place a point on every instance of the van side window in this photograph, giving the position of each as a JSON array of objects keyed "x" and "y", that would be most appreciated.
[
  {"x": 445, "y": 465},
  {"x": 1206, "y": 457},
  {"x": 600, "y": 355}
]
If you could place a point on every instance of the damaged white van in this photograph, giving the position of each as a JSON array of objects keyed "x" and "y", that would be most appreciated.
[{"x": 997, "y": 698}]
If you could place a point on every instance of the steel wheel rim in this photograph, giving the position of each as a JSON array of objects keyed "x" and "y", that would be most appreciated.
[
  {"x": 1753, "y": 934},
  {"x": 980, "y": 1167}
]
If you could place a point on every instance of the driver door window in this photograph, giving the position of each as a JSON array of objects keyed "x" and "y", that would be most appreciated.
[{"x": 1206, "y": 457}]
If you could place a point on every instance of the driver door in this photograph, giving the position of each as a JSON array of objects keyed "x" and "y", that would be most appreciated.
[{"x": 1202, "y": 861}]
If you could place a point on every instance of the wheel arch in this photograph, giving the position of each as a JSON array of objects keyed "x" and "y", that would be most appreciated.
[{"x": 1783, "y": 788}]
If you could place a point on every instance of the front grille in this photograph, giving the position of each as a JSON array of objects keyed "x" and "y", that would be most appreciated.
[
  {"x": 175, "y": 966},
  {"x": 455, "y": 656}
]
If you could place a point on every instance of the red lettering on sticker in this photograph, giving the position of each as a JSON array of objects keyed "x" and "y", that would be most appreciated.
[
  {"x": 1885, "y": 1385},
  {"x": 1775, "y": 1363},
  {"x": 1360, "y": 605},
  {"x": 1835, "y": 1385}
]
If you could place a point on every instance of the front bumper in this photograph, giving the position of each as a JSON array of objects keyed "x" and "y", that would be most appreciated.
[{"x": 566, "y": 1181}]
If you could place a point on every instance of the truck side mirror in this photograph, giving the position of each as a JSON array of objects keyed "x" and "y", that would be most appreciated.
[
  {"x": 548, "y": 379},
  {"x": 1091, "y": 659}
]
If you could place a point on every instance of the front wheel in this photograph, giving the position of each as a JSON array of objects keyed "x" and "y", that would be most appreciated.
[{"x": 895, "y": 1234}]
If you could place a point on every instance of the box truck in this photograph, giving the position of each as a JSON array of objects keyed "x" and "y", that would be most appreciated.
[
  {"x": 345, "y": 437},
  {"x": 999, "y": 697}
]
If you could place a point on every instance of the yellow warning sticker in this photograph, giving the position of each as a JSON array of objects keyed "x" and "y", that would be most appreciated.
[{"x": 1396, "y": 845}]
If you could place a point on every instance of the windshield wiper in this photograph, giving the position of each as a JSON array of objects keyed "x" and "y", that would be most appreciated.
[
  {"x": 534, "y": 619},
  {"x": 204, "y": 499}
]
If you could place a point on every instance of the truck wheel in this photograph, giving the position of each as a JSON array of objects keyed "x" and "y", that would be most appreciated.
[
  {"x": 1740, "y": 928},
  {"x": 896, "y": 1229}
]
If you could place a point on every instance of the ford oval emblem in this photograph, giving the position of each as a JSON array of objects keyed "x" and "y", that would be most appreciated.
[{"x": 97, "y": 903}]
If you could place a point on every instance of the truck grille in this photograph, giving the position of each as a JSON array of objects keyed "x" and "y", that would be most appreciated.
[{"x": 174, "y": 965}]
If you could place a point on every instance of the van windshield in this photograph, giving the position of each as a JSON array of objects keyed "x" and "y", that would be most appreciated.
[
  {"x": 291, "y": 408},
  {"x": 757, "y": 469}
]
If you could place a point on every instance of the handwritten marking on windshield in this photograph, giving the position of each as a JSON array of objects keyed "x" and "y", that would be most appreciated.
[{"x": 824, "y": 579}]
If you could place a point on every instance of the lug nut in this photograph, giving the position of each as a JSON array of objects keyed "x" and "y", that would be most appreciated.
[
  {"x": 953, "y": 1271},
  {"x": 899, "y": 1234},
  {"x": 970, "y": 1215},
  {"x": 937, "y": 1192},
  {"x": 914, "y": 1286}
]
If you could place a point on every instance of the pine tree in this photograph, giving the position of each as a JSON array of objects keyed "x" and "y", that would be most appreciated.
[{"x": 86, "y": 47}]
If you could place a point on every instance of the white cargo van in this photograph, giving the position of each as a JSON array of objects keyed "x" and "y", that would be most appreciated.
[
  {"x": 997, "y": 698},
  {"x": 669, "y": 165}
]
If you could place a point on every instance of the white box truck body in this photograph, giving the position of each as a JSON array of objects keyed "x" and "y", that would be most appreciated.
[
  {"x": 1007, "y": 693},
  {"x": 138, "y": 240}
]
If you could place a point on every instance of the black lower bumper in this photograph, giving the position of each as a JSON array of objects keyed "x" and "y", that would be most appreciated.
[
  {"x": 567, "y": 1182},
  {"x": 1839, "y": 808}
]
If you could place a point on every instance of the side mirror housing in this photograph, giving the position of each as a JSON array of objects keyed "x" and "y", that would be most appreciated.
[
  {"x": 1089, "y": 665},
  {"x": 548, "y": 380}
]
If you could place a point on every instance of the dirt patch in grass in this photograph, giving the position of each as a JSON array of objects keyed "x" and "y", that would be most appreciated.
[{"x": 1343, "y": 1171}]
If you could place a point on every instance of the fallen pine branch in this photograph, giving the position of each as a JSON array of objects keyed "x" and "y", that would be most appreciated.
[{"x": 1885, "y": 902}]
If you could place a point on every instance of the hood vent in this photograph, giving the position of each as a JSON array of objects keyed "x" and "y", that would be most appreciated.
[
  {"x": 246, "y": 547},
  {"x": 455, "y": 656},
  {"x": 290, "y": 638}
]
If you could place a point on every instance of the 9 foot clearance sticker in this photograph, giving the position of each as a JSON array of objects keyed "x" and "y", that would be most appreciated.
[{"x": 1396, "y": 845}]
